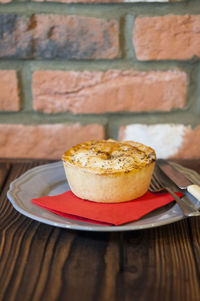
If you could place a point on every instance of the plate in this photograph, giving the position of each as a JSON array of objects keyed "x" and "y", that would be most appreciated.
[{"x": 49, "y": 179}]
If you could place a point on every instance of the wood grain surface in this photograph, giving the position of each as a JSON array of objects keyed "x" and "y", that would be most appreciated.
[{"x": 41, "y": 262}]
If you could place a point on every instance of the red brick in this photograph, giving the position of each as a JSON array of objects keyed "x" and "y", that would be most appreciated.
[
  {"x": 9, "y": 93},
  {"x": 44, "y": 141},
  {"x": 191, "y": 144},
  {"x": 58, "y": 36},
  {"x": 5, "y": 1},
  {"x": 170, "y": 37},
  {"x": 86, "y": 1},
  {"x": 15, "y": 37},
  {"x": 105, "y": 1},
  {"x": 168, "y": 140},
  {"x": 114, "y": 90},
  {"x": 75, "y": 37}
]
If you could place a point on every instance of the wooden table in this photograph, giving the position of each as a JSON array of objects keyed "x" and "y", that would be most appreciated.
[{"x": 42, "y": 262}]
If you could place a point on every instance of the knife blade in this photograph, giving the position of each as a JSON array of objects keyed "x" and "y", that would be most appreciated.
[{"x": 178, "y": 178}]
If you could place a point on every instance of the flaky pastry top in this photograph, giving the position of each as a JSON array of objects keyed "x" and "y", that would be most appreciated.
[{"x": 110, "y": 156}]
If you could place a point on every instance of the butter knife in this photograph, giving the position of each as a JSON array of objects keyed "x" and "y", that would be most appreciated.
[{"x": 178, "y": 178}]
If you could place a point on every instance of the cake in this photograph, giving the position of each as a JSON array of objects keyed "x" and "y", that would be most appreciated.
[{"x": 109, "y": 171}]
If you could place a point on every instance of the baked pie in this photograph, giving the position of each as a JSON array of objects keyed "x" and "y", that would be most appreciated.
[{"x": 109, "y": 171}]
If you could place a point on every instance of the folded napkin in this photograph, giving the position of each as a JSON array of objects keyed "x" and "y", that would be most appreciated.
[{"x": 71, "y": 206}]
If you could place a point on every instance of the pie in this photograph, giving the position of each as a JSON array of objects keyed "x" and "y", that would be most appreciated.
[{"x": 109, "y": 171}]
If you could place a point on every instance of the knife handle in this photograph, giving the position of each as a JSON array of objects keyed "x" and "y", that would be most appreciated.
[
  {"x": 186, "y": 208},
  {"x": 194, "y": 190}
]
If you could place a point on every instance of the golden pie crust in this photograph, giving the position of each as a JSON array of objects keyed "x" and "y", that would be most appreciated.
[{"x": 109, "y": 171}]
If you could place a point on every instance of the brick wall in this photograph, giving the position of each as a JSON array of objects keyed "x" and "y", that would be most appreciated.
[{"x": 74, "y": 70}]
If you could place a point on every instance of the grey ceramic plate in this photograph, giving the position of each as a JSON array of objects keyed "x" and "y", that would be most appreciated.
[{"x": 50, "y": 179}]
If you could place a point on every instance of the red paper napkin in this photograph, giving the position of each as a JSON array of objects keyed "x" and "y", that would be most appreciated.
[{"x": 70, "y": 206}]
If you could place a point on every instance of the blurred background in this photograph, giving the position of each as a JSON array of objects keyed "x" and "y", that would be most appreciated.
[{"x": 72, "y": 71}]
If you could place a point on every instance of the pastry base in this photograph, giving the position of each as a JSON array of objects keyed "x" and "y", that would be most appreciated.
[{"x": 108, "y": 188}]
